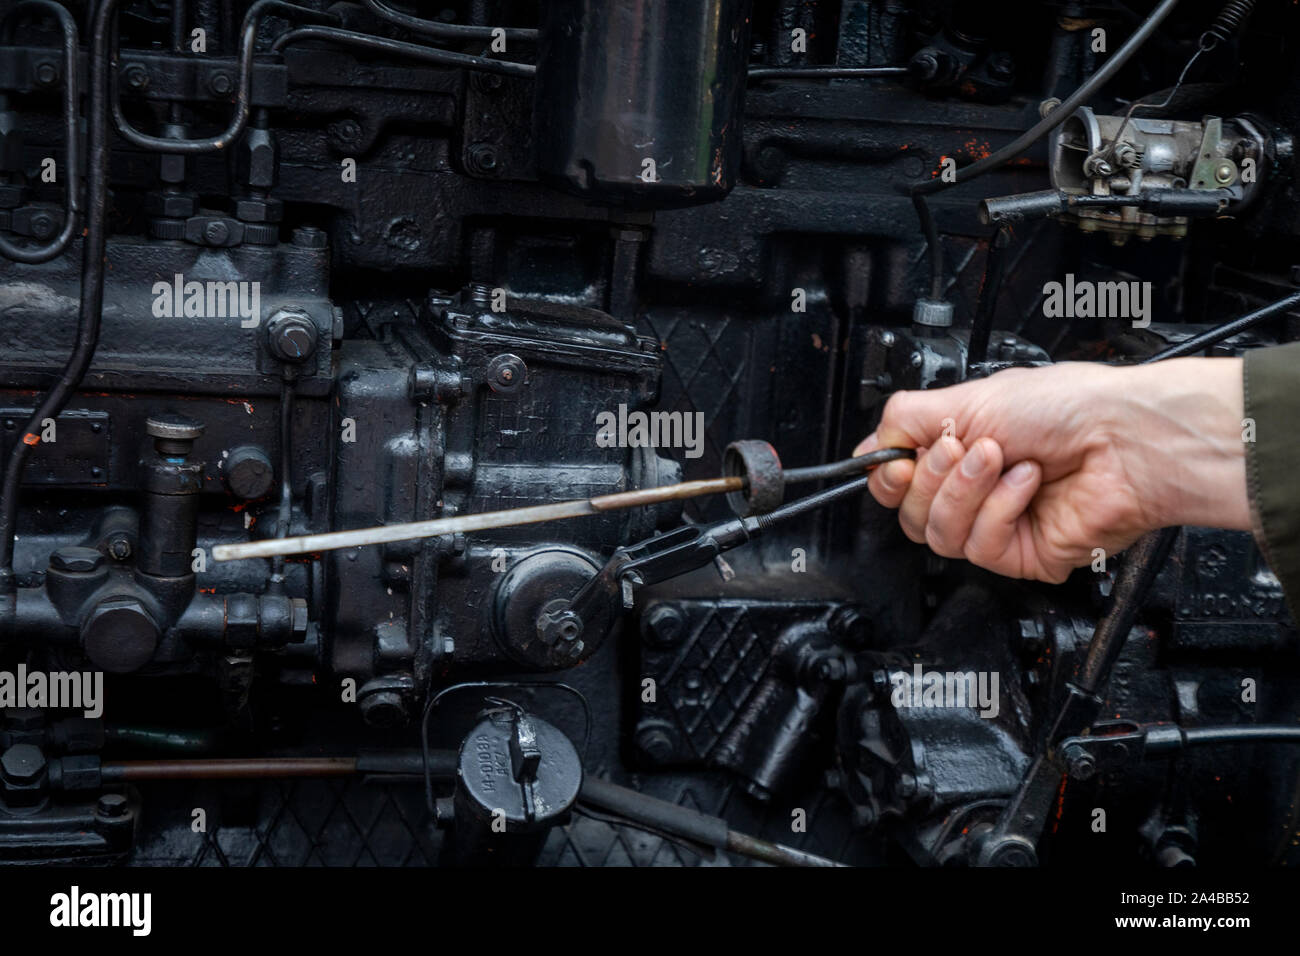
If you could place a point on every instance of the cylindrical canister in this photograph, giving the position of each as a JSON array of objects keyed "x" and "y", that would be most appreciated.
[{"x": 639, "y": 101}]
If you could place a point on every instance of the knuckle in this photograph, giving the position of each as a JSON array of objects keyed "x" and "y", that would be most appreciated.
[{"x": 939, "y": 543}]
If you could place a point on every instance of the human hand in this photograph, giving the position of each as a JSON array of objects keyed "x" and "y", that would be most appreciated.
[{"x": 1027, "y": 472}]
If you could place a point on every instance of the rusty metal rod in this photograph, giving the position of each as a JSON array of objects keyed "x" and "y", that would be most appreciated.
[
  {"x": 535, "y": 514},
  {"x": 123, "y": 771},
  {"x": 459, "y": 524}
]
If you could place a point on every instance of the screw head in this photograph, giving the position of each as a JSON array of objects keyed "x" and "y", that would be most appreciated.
[
  {"x": 47, "y": 74},
  {"x": 1225, "y": 173}
]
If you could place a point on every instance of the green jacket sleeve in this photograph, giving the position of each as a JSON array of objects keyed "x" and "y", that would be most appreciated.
[{"x": 1271, "y": 382}]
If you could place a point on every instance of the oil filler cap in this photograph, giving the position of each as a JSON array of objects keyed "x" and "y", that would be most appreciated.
[{"x": 520, "y": 769}]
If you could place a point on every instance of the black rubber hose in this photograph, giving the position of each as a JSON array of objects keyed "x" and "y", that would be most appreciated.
[
  {"x": 32, "y": 255},
  {"x": 446, "y": 31},
  {"x": 412, "y": 51},
  {"x": 1062, "y": 112},
  {"x": 848, "y": 468},
  {"x": 92, "y": 291}
]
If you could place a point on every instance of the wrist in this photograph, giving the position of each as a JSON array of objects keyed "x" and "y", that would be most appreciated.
[{"x": 1184, "y": 440}]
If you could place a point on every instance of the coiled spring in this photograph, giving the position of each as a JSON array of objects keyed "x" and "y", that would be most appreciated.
[{"x": 1227, "y": 23}]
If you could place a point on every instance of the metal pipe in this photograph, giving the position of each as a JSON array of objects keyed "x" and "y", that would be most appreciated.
[
  {"x": 411, "y": 51},
  {"x": 413, "y": 530},
  {"x": 92, "y": 298},
  {"x": 32, "y": 255},
  {"x": 127, "y": 771},
  {"x": 447, "y": 31},
  {"x": 243, "y": 95}
]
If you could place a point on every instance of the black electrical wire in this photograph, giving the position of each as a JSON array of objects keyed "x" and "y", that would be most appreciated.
[
  {"x": 243, "y": 93},
  {"x": 411, "y": 51},
  {"x": 824, "y": 72},
  {"x": 1062, "y": 112},
  {"x": 92, "y": 291},
  {"x": 71, "y": 134},
  {"x": 1199, "y": 343},
  {"x": 848, "y": 468},
  {"x": 447, "y": 31}
]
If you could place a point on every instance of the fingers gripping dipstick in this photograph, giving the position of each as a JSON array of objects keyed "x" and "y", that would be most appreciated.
[{"x": 755, "y": 483}]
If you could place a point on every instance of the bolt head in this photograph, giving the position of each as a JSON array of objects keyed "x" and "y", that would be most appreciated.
[
  {"x": 22, "y": 763},
  {"x": 76, "y": 560}
]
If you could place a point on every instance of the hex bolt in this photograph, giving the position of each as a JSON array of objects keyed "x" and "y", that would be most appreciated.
[
  {"x": 664, "y": 625},
  {"x": 1079, "y": 763},
  {"x": 291, "y": 335},
  {"x": 309, "y": 237},
  {"x": 119, "y": 547},
  {"x": 112, "y": 805},
  {"x": 655, "y": 742},
  {"x": 482, "y": 158},
  {"x": 22, "y": 763},
  {"x": 76, "y": 560}
]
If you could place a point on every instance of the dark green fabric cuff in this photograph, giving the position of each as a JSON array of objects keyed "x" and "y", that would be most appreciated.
[{"x": 1271, "y": 382}]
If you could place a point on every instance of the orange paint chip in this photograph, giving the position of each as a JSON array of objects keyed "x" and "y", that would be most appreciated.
[{"x": 30, "y": 439}]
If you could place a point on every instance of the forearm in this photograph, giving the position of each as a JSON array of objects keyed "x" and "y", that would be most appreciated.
[{"x": 1182, "y": 430}]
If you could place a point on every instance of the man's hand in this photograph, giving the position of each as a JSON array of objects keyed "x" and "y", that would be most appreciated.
[{"x": 1026, "y": 472}]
